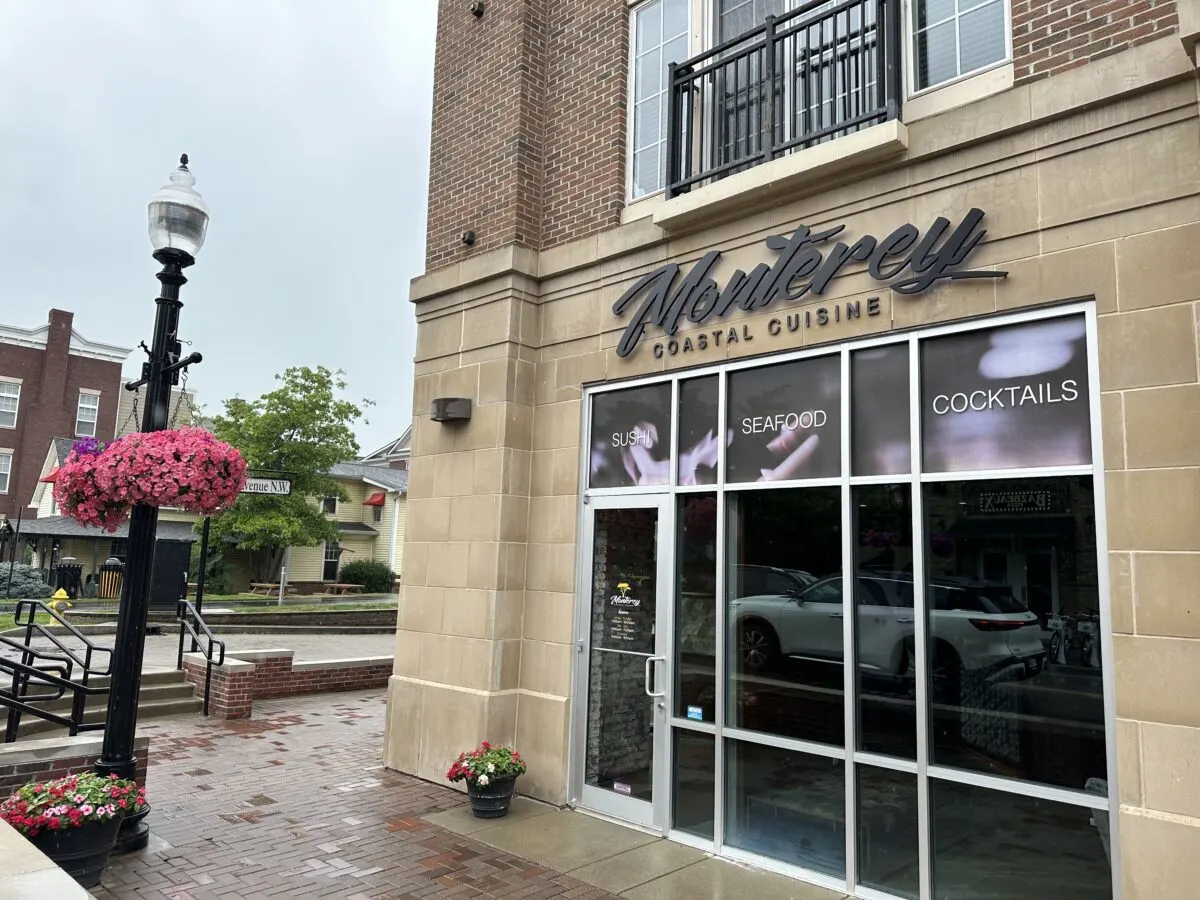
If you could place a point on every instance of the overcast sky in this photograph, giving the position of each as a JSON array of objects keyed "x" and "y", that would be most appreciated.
[{"x": 307, "y": 124}]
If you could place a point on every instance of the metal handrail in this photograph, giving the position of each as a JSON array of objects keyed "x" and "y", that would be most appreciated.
[
  {"x": 835, "y": 62},
  {"x": 189, "y": 621},
  {"x": 32, "y": 608},
  {"x": 58, "y": 676}
]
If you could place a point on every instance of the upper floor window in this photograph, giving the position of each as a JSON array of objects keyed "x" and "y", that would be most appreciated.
[
  {"x": 10, "y": 399},
  {"x": 952, "y": 38},
  {"x": 87, "y": 414},
  {"x": 660, "y": 37},
  {"x": 5, "y": 470},
  {"x": 329, "y": 506},
  {"x": 377, "y": 514}
]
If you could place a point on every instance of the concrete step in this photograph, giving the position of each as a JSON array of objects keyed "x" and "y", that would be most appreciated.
[
  {"x": 32, "y": 726},
  {"x": 163, "y": 693}
]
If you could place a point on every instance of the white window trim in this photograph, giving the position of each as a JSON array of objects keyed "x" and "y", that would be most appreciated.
[
  {"x": 908, "y": 52},
  {"x": 336, "y": 504},
  {"x": 8, "y": 475},
  {"x": 17, "y": 411},
  {"x": 699, "y": 35},
  {"x": 79, "y": 407}
]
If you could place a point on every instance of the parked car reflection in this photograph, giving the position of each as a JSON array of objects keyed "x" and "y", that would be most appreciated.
[{"x": 974, "y": 627}]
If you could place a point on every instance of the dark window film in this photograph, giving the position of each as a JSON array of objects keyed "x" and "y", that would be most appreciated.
[
  {"x": 880, "y": 411},
  {"x": 1001, "y": 846},
  {"x": 1016, "y": 666},
  {"x": 786, "y": 805},
  {"x": 886, "y": 620},
  {"x": 630, "y": 441},
  {"x": 887, "y": 831},
  {"x": 785, "y": 612},
  {"x": 696, "y": 608},
  {"x": 698, "y": 443},
  {"x": 784, "y": 421},
  {"x": 694, "y": 774}
]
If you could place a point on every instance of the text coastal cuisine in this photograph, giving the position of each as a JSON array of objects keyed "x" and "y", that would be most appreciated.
[{"x": 805, "y": 266}]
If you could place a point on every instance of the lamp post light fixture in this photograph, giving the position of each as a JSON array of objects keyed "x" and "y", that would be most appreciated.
[{"x": 178, "y": 222}]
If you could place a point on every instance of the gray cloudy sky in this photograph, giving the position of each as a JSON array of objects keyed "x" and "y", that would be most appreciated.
[{"x": 307, "y": 123}]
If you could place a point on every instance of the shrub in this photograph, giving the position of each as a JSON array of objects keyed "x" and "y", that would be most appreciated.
[
  {"x": 27, "y": 583},
  {"x": 375, "y": 577},
  {"x": 216, "y": 576}
]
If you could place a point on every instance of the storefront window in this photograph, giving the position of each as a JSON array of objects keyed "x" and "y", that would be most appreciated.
[
  {"x": 1001, "y": 846},
  {"x": 1006, "y": 398},
  {"x": 786, "y": 805},
  {"x": 698, "y": 442},
  {"x": 880, "y": 442},
  {"x": 785, "y": 421},
  {"x": 785, "y": 611},
  {"x": 1016, "y": 669},
  {"x": 886, "y": 623},
  {"x": 630, "y": 443},
  {"x": 696, "y": 608},
  {"x": 969, "y": 571}
]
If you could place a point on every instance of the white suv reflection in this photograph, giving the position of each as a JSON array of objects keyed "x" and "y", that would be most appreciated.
[{"x": 973, "y": 626}]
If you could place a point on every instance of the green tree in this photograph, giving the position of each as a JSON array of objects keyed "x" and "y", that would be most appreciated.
[{"x": 303, "y": 428}]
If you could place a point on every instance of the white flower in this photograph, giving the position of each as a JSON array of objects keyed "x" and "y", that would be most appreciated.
[
  {"x": 491, "y": 767},
  {"x": 483, "y": 781}
]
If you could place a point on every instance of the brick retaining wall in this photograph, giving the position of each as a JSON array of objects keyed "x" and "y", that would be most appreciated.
[
  {"x": 269, "y": 674},
  {"x": 42, "y": 760}
]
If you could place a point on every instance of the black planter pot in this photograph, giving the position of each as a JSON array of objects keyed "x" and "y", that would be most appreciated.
[
  {"x": 134, "y": 833},
  {"x": 80, "y": 852},
  {"x": 491, "y": 800}
]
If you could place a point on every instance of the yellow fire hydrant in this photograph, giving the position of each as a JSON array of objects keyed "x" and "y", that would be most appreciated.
[{"x": 60, "y": 601}]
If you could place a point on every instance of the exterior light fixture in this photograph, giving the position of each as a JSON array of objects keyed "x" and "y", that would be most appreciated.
[{"x": 451, "y": 409}]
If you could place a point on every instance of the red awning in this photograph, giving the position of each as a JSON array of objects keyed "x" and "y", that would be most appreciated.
[
  {"x": 51, "y": 478},
  {"x": 376, "y": 499}
]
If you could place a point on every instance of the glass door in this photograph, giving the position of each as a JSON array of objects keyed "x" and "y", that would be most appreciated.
[{"x": 623, "y": 657}]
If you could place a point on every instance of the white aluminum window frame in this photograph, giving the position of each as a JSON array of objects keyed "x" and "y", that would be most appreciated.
[
  {"x": 6, "y": 461},
  {"x": 8, "y": 384},
  {"x": 922, "y": 768},
  {"x": 93, "y": 406},
  {"x": 908, "y": 51}
]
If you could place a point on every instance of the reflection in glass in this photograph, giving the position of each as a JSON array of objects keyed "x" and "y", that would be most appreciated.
[
  {"x": 785, "y": 613},
  {"x": 879, "y": 411},
  {"x": 631, "y": 437},
  {"x": 696, "y": 609},
  {"x": 698, "y": 442},
  {"x": 883, "y": 594},
  {"x": 784, "y": 421},
  {"x": 1004, "y": 398},
  {"x": 1000, "y": 846},
  {"x": 1014, "y": 630},
  {"x": 888, "y": 858},
  {"x": 693, "y": 773},
  {"x": 620, "y": 724},
  {"x": 786, "y": 805}
]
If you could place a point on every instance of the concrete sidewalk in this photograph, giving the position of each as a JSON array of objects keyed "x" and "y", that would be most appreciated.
[{"x": 295, "y": 803}]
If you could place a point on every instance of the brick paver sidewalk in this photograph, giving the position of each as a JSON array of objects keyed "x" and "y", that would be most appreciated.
[{"x": 295, "y": 803}]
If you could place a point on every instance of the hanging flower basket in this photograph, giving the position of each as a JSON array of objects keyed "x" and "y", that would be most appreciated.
[{"x": 185, "y": 468}]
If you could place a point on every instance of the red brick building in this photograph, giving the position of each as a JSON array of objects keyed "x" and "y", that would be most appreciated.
[{"x": 53, "y": 382}]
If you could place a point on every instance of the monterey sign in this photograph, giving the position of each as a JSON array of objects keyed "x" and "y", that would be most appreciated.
[{"x": 806, "y": 265}]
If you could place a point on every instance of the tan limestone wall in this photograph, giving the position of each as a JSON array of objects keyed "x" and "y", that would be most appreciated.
[{"x": 1101, "y": 202}]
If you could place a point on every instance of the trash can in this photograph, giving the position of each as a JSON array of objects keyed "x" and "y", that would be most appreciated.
[
  {"x": 112, "y": 573},
  {"x": 69, "y": 574}
]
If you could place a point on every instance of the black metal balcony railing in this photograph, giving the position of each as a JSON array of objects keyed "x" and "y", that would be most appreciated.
[{"x": 821, "y": 71}]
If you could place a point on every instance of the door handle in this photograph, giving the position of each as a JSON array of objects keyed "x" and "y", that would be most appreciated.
[
  {"x": 650, "y": 661},
  {"x": 836, "y": 615},
  {"x": 907, "y": 620}
]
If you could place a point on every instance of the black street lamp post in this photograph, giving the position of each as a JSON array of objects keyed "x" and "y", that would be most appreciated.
[{"x": 178, "y": 222}]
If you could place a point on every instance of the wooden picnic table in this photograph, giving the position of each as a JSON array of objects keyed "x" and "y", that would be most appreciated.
[
  {"x": 337, "y": 589},
  {"x": 259, "y": 587}
]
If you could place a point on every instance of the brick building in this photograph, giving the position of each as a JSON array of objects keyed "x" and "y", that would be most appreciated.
[
  {"x": 53, "y": 382},
  {"x": 828, "y": 499}
]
